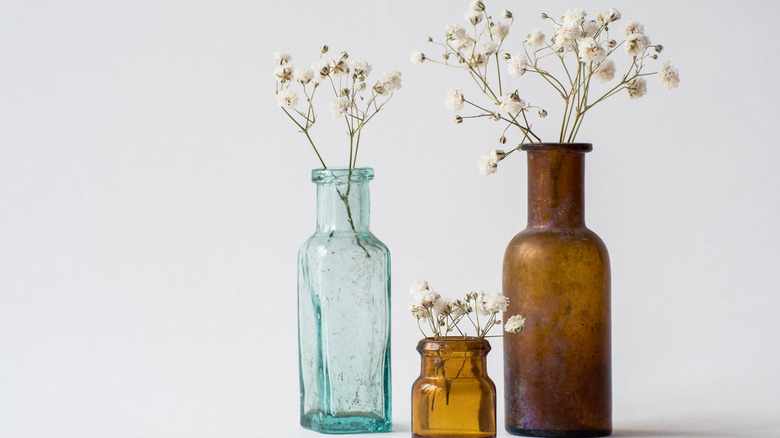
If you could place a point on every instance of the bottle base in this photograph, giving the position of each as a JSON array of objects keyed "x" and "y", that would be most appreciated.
[
  {"x": 454, "y": 435},
  {"x": 557, "y": 433},
  {"x": 322, "y": 423}
]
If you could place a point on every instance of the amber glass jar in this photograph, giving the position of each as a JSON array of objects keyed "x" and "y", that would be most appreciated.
[
  {"x": 453, "y": 397},
  {"x": 557, "y": 375}
]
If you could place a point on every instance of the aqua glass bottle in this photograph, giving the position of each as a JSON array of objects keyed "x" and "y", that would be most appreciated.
[{"x": 344, "y": 311}]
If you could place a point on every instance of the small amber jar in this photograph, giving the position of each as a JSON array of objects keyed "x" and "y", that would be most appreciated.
[{"x": 453, "y": 397}]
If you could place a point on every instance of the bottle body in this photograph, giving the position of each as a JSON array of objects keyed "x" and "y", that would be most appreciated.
[
  {"x": 344, "y": 312},
  {"x": 557, "y": 375},
  {"x": 453, "y": 396}
]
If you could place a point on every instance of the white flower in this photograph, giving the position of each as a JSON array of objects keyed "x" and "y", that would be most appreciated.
[
  {"x": 591, "y": 51},
  {"x": 574, "y": 16},
  {"x": 338, "y": 67},
  {"x": 669, "y": 76},
  {"x": 283, "y": 73},
  {"x": 441, "y": 306},
  {"x": 565, "y": 36},
  {"x": 487, "y": 47},
  {"x": 632, "y": 28},
  {"x": 416, "y": 58},
  {"x": 281, "y": 58},
  {"x": 511, "y": 103},
  {"x": 360, "y": 67},
  {"x": 535, "y": 38},
  {"x": 476, "y": 5},
  {"x": 637, "y": 88},
  {"x": 340, "y": 106},
  {"x": 458, "y": 308},
  {"x": 454, "y": 99},
  {"x": 636, "y": 43},
  {"x": 480, "y": 304},
  {"x": 303, "y": 75},
  {"x": 477, "y": 59},
  {"x": 590, "y": 28},
  {"x": 417, "y": 311},
  {"x": 488, "y": 163},
  {"x": 602, "y": 18},
  {"x": 286, "y": 98},
  {"x": 606, "y": 71},
  {"x": 517, "y": 65},
  {"x": 388, "y": 82},
  {"x": 418, "y": 286},
  {"x": 456, "y": 31},
  {"x": 607, "y": 17},
  {"x": 321, "y": 69},
  {"x": 499, "y": 31},
  {"x": 474, "y": 17},
  {"x": 496, "y": 302},
  {"x": 614, "y": 15},
  {"x": 514, "y": 324}
]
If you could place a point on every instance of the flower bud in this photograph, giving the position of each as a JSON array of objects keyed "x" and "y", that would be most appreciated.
[
  {"x": 659, "y": 48},
  {"x": 542, "y": 113},
  {"x": 612, "y": 44},
  {"x": 344, "y": 55},
  {"x": 345, "y": 92},
  {"x": 479, "y": 6},
  {"x": 502, "y": 139},
  {"x": 324, "y": 49},
  {"x": 445, "y": 56},
  {"x": 495, "y": 116},
  {"x": 506, "y": 14},
  {"x": 458, "y": 119},
  {"x": 654, "y": 56},
  {"x": 545, "y": 16},
  {"x": 430, "y": 40},
  {"x": 507, "y": 56}
]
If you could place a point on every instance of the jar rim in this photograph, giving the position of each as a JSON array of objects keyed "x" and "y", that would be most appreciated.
[
  {"x": 453, "y": 344},
  {"x": 341, "y": 174},
  {"x": 568, "y": 147}
]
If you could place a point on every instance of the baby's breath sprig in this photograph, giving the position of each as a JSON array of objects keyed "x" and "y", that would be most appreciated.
[
  {"x": 442, "y": 315},
  {"x": 355, "y": 101},
  {"x": 579, "y": 50}
]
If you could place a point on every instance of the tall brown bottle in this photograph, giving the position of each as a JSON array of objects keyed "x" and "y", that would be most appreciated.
[{"x": 557, "y": 374}]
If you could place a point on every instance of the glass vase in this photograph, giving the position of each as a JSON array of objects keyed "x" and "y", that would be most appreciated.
[
  {"x": 453, "y": 397},
  {"x": 344, "y": 311},
  {"x": 557, "y": 374}
]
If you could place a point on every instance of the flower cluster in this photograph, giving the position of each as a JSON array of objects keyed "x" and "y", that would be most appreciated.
[
  {"x": 579, "y": 49},
  {"x": 354, "y": 100},
  {"x": 443, "y": 315}
]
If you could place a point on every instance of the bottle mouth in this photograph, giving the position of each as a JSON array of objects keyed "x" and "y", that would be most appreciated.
[
  {"x": 341, "y": 174},
  {"x": 567, "y": 147}
]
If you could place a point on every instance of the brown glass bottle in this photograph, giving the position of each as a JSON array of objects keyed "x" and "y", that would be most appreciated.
[
  {"x": 453, "y": 397},
  {"x": 557, "y": 375}
]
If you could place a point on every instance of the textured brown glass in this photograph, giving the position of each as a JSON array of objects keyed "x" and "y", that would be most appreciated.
[
  {"x": 453, "y": 397},
  {"x": 557, "y": 373}
]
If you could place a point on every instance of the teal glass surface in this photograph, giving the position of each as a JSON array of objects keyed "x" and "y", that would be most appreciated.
[{"x": 344, "y": 311}]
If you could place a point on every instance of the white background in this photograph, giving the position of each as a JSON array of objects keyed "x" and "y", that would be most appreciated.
[{"x": 153, "y": 199}]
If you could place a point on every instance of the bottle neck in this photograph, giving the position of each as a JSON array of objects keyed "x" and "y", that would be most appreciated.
[
  {"x": 556, "y": 188},
  {"x": 343, "y": 206}
]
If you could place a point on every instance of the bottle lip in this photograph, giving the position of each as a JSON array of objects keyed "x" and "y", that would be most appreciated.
[
  {"x": 568, "y": 147},
  {"x": 341, "y": 174},
  {"x": 454, "y": 344}
]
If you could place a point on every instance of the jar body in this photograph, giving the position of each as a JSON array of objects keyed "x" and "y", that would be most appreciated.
[
  {"x": 344, "y": 312},
  {"x": 453, "y": 397},
  {"x": 557, "y": 375}
]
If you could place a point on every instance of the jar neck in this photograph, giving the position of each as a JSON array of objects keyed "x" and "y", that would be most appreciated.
[
  {"x": 453, "y": 359},
  {"x": 343, "y": 201},
  {"x": 556, "y": 186}
]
